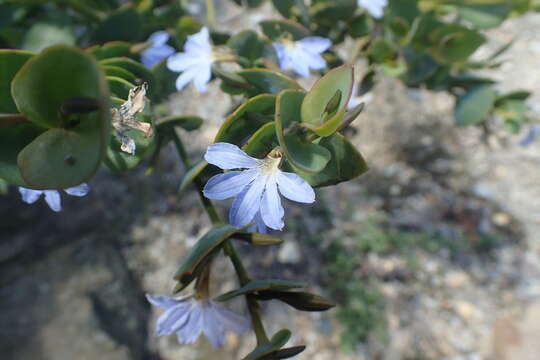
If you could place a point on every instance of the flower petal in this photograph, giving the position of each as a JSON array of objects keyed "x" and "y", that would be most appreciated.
[
  {"x": 247, "y": 203},
  {"x": 259, "y": 225},
  {"x": 173, "y": 319},
  {"x": 224, "y": 186},
  {"x": 294, "y": 188},
  {"x": 283, "y": 56},
  {"x": 228, "y": 156},
  {"x": 30, "y": 196},
  {"x": 231, "y": 320},
  {"x": 153, "y": 55},
  {"x": 271, "y": 209},
  {"x": 164, "y": 302},
  {"x": 159, "y": 38},
  {"x": 213, "y": 328},
  {"x": 52, "y": 197},
  {"x": 79, "y": 190},
  {"x": 203, "y": 76},
  {"x": 182, "y": 61},
  {"x": 315, "y": 44},
  {"x": 186, "y": 77},
  {"x": 199, "y": 43},
  {"x": 300, "y": 63},
  {"x": 191, "y": 330},
  {"x": 531, "y": 135}
]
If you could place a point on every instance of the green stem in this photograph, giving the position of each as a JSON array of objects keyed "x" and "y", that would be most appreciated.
[
  {"x": 208, "y": 206},
  {"x": 210, "y": 13},
  {"x": 230, "y": 251}
]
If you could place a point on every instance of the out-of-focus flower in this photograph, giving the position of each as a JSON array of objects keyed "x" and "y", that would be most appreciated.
[
  {"x": 302, "y": 55},
  {"x": 52, "y": 197},
  {"x": 359, "y": 99},
  {"x": 189, "y": 317},
  {"x": 195, "y": 62},
  {"x": 256, "y": 188},
  {"x": 123, "y": 119},
  {"x": 374, "y": 7},
  {"x": 158, "y": 49},
  {"x": 531, "y": 135}
]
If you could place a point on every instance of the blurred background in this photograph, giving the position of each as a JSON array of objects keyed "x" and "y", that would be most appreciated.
[{"x": 433, "y": 254}]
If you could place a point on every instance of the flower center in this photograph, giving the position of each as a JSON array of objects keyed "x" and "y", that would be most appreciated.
[{"x": 270, "y": 164}]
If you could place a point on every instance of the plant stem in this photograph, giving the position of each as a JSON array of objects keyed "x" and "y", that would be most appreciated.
[
  {"x": 210, "y": 13},
  {"x": 230, "y": 251}
]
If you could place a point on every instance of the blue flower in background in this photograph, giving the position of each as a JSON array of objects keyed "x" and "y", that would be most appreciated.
[
  {"x": 302, "y": 55},
  {"x": 374, "y": 7},
  {"x": 195, "y": 62},
  {"x": 52, "y": 197},
  {"x": 256, "y": 188},
  {"x": 531, "y": 135},
  {"x": 158, "y": 50},
  {"x": 188, "y": 318}
]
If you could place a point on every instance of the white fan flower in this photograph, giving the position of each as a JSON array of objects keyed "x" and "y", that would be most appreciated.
[
  {"x": 52, "y": 197},
  {"x": 374, "y": 7},
  {"x": 302, "y": 55}
]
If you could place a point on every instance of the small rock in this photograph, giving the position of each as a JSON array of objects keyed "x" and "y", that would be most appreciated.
[
  {"x": 289, "y": 253},
  {"x": 456, "y": 279}
]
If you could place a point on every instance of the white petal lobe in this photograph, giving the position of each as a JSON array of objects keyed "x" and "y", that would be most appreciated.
[
  {"x": 271, "y": 209},
  {"x": 228, "y": 156},
  {"x": 227, "y": 185},
  {"x": 294, "y": 188}
]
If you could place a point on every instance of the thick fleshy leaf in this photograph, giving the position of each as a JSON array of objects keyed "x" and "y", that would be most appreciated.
[
  {"x": 485, "y": 16},
  {"x": 315, "y": 111},
  {"x": 119, "y": 87},
  {"x": 346, "y": 163},
  {"x": 278, "y": 340},
  {"x": 186, "y": 122},
  {"x": 262, "y": 142},
  {"x": 249, "y": 117},
  {"x": 46, "y": 34},
  {"x": 267, "y": 81},
  {"x": 13, "y": 138},
  {"x": 256, "y": 286},
  {"x": 455, "y": 42},
  {"x": 304, "y": 155},
  {"x": 10, "y": 62},
  {"x": 137, "y": 69},
  {"x": 247, "y": 45},
  {"x": 119, "y": 72},
  {"x": 125, "y": 24},
  {"x": 71, "y": 151},
  {"x": 284, "y": 353},
  {"x": 474, "y": 107},
  {"x": 275, "y": 29},
  {"x": 201, "y": 253},
  {"x": 200, "y": 170},
  {"x": 300, "y": 300},
  {"x": 111, "y": 49}
]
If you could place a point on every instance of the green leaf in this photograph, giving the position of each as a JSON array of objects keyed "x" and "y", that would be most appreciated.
[
  {"x": 314, "y": 110},
  {"x": 520, "y": 95},
  {"x": 267, "y": 81},
  {"x": 485, "y": 16},
  {"x": 299, "y": 300},
  {"x": 134, "y": 67},
  {"x": 71, "y": 151},
  {"x": 119, "y": 87},
  {"x": 10, "y": 63},
  {"x": 110, "y": 49},
  {"x": 258, "y": 239},
  {"x": 44, "y": 35},
  {"x": 249, "y": 3},
  {"x": 125, "y": 24},
  {"x": 201, "y": 252},
  {"x": 406, "y": 9},
  {"x": 186, "y": 122},
  {"x": 262, "y": 142},
  {"x": 119, "y": 72},
  {"x": 13, "y": 138},
  {"x": 360, "y": 26},
  {"x": 330, "y": 12},
  {"x": 278, "y": 340},
  {"x": 275, "y": 29},
  {"x": 474, "y": 107},
  {"x": 306, "y": 156},
  {"x": 256, "y": 286},
  {"x": 284, "y": 353},
  {"x": 191, "y": 174},
  {"x": 455, "y": 43},
  {"x": 246, "y": 44},
  {"x": 245, "y": 120},
  {"x": 346, "y": 163}
]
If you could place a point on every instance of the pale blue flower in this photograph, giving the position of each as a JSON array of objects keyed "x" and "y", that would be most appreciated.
[
  {"x": 531, "y": 135},
  {"x": 158, "y": 50},
  {"x": 195, "y": 62},
  {"x": 188, "y": 318},
  {"x": 374, "y": 7},
  {"x": 302, "y": 55},
  {"x": 52, "y": 197},
  {"x": 256, "y": 188}
]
